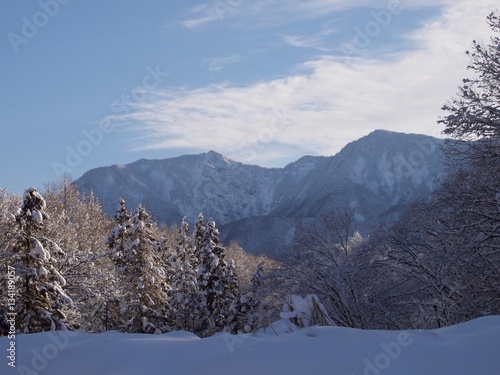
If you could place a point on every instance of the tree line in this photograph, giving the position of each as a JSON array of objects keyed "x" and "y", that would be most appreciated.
[{"x": 77, "y": 269}]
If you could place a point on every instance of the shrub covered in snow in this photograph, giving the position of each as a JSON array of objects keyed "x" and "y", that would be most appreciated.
[{"x": 305, "y": 312}]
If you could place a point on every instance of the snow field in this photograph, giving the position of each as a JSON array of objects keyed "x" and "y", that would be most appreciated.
[{"x": 471, "y": 348}]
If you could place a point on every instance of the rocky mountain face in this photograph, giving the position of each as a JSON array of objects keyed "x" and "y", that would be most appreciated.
[{"x": 377, "y": 177}]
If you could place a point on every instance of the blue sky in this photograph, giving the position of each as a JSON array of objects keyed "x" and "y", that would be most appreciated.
[{"x": 93, "y": 83}]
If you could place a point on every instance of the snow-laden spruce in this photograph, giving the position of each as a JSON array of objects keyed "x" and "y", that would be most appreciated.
[
  {"x": 184, "y": 297},
  {"x": 142, "y": 285},
  {"x": 217, "y": 283},
  {"x": 41, "y": 301}
]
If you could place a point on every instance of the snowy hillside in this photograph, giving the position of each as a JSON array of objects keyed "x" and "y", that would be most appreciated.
[
  {"x": 470, "y": 348},
  {"x": 376, "y": 176}
]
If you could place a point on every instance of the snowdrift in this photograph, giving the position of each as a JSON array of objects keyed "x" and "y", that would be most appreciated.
[{"x": 471, "y": 348}]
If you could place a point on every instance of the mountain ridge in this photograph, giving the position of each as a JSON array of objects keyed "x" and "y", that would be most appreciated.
[{"x": 376, "y": 176}]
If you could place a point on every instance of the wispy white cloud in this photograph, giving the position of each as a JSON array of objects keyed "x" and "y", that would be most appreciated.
[
  {"x": 266, "y": 13},
  {"x": 318, "y": 41},
  {"x": 216, "y": 64},
  {"x": 269, "y": 13},
  {"x": 200, "y": 15},
  {"x": 334, "y": 100}
]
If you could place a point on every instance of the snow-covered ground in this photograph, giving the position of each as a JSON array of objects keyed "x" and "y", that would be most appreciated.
[{"x": 472, "y": 348}]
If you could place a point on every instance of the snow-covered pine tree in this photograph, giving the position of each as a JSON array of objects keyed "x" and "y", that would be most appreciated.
[
  {"x": 238, "y": 319},
  {"x": 41, "y": 299},
  {"x": 228, "y": 295},
  {"x": 257, "y": 308},
  {"x": 216, "y": 281},
  {"x": 202, "y": 321},
  {"x": 117, "y": 238},
  {"x": 224, "y": 289},
  {"x": 118, "y": 235},
  {"x": 261, "y": 308},
  {"x": 184, "y": 301},
  {"x": 247, "y": 309},
  {"x": 142, "y": 281},
  {"x": 199, "y": 236}
]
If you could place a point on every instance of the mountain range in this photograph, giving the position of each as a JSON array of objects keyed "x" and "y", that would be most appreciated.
[{"x": 377, "y": 176}]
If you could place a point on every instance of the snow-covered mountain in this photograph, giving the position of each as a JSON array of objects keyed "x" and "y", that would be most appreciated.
[{"x": 377, "y": 176}]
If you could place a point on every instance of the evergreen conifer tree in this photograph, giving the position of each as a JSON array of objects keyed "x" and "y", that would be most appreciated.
[
  {"x": 143, "y": 298},
  {"x": 184, "y": 302},
  {"x": 41, "y": 300},
  {"x": 217, "y": 282},
  {"x": 245, "y": 309}
]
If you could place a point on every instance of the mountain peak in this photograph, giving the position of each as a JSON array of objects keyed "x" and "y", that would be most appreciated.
[
  {"x": 214, "y": 156},
  {"x": 382, "y": 134},
  {"x": 386, "y": 133},
  {"x": 381, "y": 131},
  {"x": 213, "y": 153}
]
